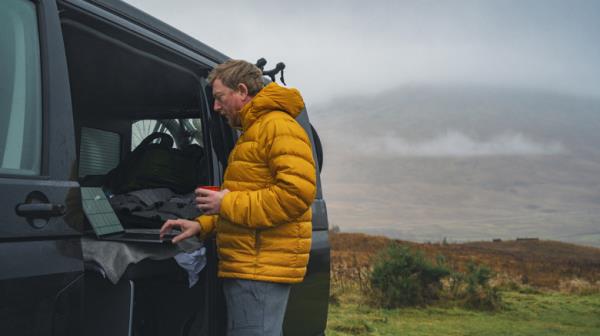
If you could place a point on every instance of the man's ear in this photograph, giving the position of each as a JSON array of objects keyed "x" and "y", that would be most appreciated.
[{"x": 243, "y": 90}]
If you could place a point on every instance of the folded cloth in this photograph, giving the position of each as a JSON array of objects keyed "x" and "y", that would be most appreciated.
[
  {"x": 114, "y": 257},
  {"x": 152, "y": 207},
  {"x": 152, "y": 197}
]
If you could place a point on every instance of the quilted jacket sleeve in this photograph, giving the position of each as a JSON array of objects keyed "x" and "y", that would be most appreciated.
[
  {"x": 207, "y": 225},
  {"x": 289, "y": 157}
]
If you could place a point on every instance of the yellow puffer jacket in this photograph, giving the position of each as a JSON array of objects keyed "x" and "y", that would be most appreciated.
[{"x": 265, "y": 223}]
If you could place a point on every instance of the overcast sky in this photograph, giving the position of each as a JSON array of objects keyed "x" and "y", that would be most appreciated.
[{"x": 333, "y": 48}]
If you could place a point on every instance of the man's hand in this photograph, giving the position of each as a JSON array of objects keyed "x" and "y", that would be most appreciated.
[
  {"x": 209, "y": 201},
  {"x": 188, "y": 229}
]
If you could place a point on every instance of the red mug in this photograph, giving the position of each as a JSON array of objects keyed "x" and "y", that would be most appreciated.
[{"x": 213, "y": 188}]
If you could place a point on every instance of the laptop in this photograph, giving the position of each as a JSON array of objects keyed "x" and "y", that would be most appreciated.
[{"x": 106, "y": 224}]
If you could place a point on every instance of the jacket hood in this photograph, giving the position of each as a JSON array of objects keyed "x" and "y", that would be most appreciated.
[{"x": 271, "y": 98}]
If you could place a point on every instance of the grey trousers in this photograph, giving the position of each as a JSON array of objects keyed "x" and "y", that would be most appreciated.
[{"x": 255, "y": 308}]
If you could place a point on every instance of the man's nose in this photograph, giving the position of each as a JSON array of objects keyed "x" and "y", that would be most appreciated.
[{"x": 217, "y": 106}]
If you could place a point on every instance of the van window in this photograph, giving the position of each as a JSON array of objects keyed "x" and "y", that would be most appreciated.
[
  {"x": 20, "y": 89},
  {"x": 184, "y": 131},
  {"x": 99, "y": 151}
]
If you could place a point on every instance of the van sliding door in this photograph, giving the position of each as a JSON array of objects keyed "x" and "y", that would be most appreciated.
[{"x": 41, "y": 264}]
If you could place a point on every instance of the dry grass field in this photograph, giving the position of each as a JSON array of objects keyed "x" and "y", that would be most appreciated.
[
  {"x": 541, "y": 264},
  {"x": 548, "y": 288}
]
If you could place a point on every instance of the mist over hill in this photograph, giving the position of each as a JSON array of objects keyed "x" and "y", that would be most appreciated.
[{"x": 463, "y": 162}]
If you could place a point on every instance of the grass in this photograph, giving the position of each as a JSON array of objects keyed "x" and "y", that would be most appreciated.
[
  {"x": 544, "y": 313},
  {"x": 547, "y": 288}
]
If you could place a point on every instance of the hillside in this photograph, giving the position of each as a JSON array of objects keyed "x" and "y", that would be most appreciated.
[
  {"x": 543, "y": 264},
  {"x": 424, "y": 163}
]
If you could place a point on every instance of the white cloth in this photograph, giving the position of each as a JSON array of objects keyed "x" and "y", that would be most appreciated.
[{"x": 193, "y": 262}]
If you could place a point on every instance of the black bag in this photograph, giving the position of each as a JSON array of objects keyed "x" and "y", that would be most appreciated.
[{"x": 158, "y": 165}]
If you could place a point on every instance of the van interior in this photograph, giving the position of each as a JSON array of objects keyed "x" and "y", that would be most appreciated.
[
  {"x": 127, "y": 88},
  {"x": 123, "y": 89}
]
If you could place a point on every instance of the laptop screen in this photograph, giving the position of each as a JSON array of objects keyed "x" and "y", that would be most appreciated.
[{"x": 100, "y": 214}]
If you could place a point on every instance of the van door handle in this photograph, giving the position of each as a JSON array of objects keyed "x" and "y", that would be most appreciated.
[{"x": 40, "y": 210}]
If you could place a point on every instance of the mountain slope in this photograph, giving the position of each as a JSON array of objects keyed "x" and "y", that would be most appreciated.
[{"x": 466, "y": 163}]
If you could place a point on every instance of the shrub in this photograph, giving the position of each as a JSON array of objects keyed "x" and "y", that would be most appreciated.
[
  {"x": 401, "y": 277},
  {"x": 472, "y": 288},
  {"x": 455, "y": 284},
  {"x": 479, "y": 294}
]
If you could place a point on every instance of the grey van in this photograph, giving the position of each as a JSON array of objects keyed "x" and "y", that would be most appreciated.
[{"x": 82, "y": 83}]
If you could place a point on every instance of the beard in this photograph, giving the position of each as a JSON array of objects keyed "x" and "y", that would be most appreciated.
[{"x": 234, "y": 121}]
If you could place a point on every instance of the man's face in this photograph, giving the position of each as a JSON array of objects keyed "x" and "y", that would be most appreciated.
[{"x": 228, "y": 102}]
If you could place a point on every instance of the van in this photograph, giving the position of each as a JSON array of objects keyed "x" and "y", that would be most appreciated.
[{"x": 82, "y": 83}]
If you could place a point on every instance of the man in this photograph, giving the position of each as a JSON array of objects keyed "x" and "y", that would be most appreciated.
[{"x": 262, "y": 214}]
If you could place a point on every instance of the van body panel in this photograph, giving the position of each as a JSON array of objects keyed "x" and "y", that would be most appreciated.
[
  {"x": 308, "y": 303},
  {"x": 41, "y": 264},
  {"x": 122, "y": 13}
]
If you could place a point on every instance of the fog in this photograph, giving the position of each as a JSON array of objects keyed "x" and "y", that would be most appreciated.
[
  {"x": 338, "y": 48},
  {"x": 457, "y": 144}
]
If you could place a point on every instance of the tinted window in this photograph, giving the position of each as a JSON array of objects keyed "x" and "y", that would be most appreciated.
[
  {"x": 183, "y": 131},
  {"x": 99, "y": 151},
  {"x": 20, "y": 89}
]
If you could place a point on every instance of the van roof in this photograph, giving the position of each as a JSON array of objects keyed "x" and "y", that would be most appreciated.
[{"x": 153, "y": 24}]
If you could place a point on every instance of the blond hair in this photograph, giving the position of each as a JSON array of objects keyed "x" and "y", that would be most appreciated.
[{"x": 235, "y": 72}]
